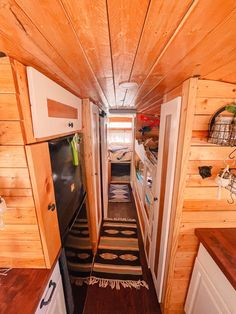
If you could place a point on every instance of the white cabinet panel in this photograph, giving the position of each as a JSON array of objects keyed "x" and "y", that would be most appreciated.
[
  {"x": 53, "y": 301},
  {"x": 54, "y": 109},
  {"x": 209, "y": 292}
]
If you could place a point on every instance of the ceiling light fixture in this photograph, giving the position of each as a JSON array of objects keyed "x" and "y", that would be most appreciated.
[{"x": 128, "y": 85}]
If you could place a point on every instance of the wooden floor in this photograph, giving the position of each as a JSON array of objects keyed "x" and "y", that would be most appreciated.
[{"x": 127, "y": 301}]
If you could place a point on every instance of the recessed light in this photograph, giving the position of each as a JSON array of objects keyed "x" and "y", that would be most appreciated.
[{"x": 128, "y": 85}]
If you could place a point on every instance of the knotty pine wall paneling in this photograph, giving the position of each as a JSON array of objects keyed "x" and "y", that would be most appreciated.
[
  {"x": 20, "y": 241},
  {"x": 197, "y": 205}
]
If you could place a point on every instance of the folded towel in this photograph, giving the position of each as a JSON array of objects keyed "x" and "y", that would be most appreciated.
[{"x": 74, "y": 149}]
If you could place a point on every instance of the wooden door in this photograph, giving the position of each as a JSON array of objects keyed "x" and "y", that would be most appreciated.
[
  {"x": 92, "y": 168},
  {"x": 168, "y": 137},
  {"x": 104, "y": 163},
  {"x": 97, "y": 162}
]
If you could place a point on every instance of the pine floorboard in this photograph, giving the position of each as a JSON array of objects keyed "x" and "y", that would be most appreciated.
[{"x": 127, "y": 301}]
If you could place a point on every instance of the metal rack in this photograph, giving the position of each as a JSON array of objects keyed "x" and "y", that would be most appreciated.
[{"x": 222, "y": 129}]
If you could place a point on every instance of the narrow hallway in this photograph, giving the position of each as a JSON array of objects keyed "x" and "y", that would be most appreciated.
[{"x": 125, "y": 300}]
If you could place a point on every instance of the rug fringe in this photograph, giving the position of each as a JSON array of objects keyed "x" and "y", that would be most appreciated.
[
  {"x": 79, "y": 281},
  {"x": 116, "y": 284},
  {"x": 120, "y": 219}
]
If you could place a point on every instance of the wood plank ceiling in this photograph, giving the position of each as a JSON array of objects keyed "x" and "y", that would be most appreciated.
[{"x": 91, "y": 46}]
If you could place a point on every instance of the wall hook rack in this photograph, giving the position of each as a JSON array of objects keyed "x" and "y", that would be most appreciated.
[{"x": 231, "y": 155}]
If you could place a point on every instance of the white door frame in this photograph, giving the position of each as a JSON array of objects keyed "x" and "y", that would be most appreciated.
[
  {"x": 171, "y": 108},
  {"x": 104, "y": 159}
]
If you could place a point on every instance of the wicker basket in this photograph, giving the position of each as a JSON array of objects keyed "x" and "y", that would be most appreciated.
[{"x": 222, "y": 129}]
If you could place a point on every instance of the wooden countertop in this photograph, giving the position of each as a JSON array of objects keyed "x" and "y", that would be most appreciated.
[
  {"x": 221, "y": 245},
  {"x": 22, "y": 289}
]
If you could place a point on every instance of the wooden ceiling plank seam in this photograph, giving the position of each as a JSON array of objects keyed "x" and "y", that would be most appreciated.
[
  {"x": 95, "y": 59},
  {"x": 90, "y": 23},
  {"x": 228, "y": 68},
  {"x": 52, "y": 75},
  {"x": 177, "y": 65},
  {"x": 172, "y": 37},
  {"x": 104, "y": 98},
  {"x": 216, "y": 53},
  {"x": 32, "y": 23},
  {"x": 161, "y": 30},
  {"x": 75, "y": 89},
  {"x": 83, "y": 77},
  {"x": 137, "y": 48},
  {"x": 112, "y": 64},
  {"x": 126, "y": 20},
  {"x": 151, "y": 106},
  {"x": 195, "y": 48},
  {"x": 67, "y": 83},
  {"x": 149, "y": 102},
  {"x": 45, "y": 39}
]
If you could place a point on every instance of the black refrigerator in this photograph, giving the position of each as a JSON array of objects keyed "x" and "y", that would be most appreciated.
[{"x": 76, "y": 257}]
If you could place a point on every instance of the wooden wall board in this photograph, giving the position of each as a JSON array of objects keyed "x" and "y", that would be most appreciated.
[
  {"x": 20, "y": 232},
  {"x": 197, "y": 181},
  {"x": 23, "y": 262},
  {"x": 6, "y": 79},
  {"x": 8, "y": 107},
  {"x": 12, "y": 156},
  {"x": 16, "y": 192},
  {"x": 208, "y": 216},
  {"x": 19, "y": 201},
  {"x": 210, "y": 205},
  {"x": 210, "y": 153},
  {"x": 213, "y": 89},
  {"x": 207, "y": 106},
  {"x": 14, "y": 178},
  {"x": 26, "y": 216},
  {"x": 200, "y": 207},
  {"x": 11, "y": 133}
]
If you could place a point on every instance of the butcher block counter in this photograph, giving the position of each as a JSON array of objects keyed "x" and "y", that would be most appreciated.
[
  {"x": 221, "y": 245},
  {"x": 212, "y": 288},
  {"x": 22, "y": 289}
]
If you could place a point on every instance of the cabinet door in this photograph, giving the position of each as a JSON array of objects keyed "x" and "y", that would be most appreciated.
[
  {"x": 43, "y": 191},
  {"x": 58, "y": 303},
  {"x": 53, "y": 300},
  {"x": 202, "y": 296},
  {"x": 54, "y": 110}
]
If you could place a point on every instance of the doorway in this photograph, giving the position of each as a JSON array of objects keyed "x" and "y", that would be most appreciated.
[{"x": 168, "y": 138}]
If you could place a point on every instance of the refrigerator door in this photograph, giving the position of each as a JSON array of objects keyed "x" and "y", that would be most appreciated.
[{"x": 67, "y": 179}]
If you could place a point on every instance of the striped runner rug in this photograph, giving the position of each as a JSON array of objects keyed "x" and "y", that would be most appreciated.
[
  {"x": 79, "y": 252},
  {"x": 117, "y": 262}
]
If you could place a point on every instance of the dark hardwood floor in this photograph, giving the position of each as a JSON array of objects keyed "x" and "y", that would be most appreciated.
[{"x": 128, "y": 301}]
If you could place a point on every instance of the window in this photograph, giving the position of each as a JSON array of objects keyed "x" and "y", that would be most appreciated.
[{"x": 120, "y": 130}]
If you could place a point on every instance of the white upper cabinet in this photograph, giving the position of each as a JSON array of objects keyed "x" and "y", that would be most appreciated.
[{"x": 54, "y": 110}]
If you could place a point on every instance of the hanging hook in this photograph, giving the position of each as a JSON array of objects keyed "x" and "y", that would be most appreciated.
[
  {"x": 231, "y": 154},
  {"x": 232, "y": 199}
]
